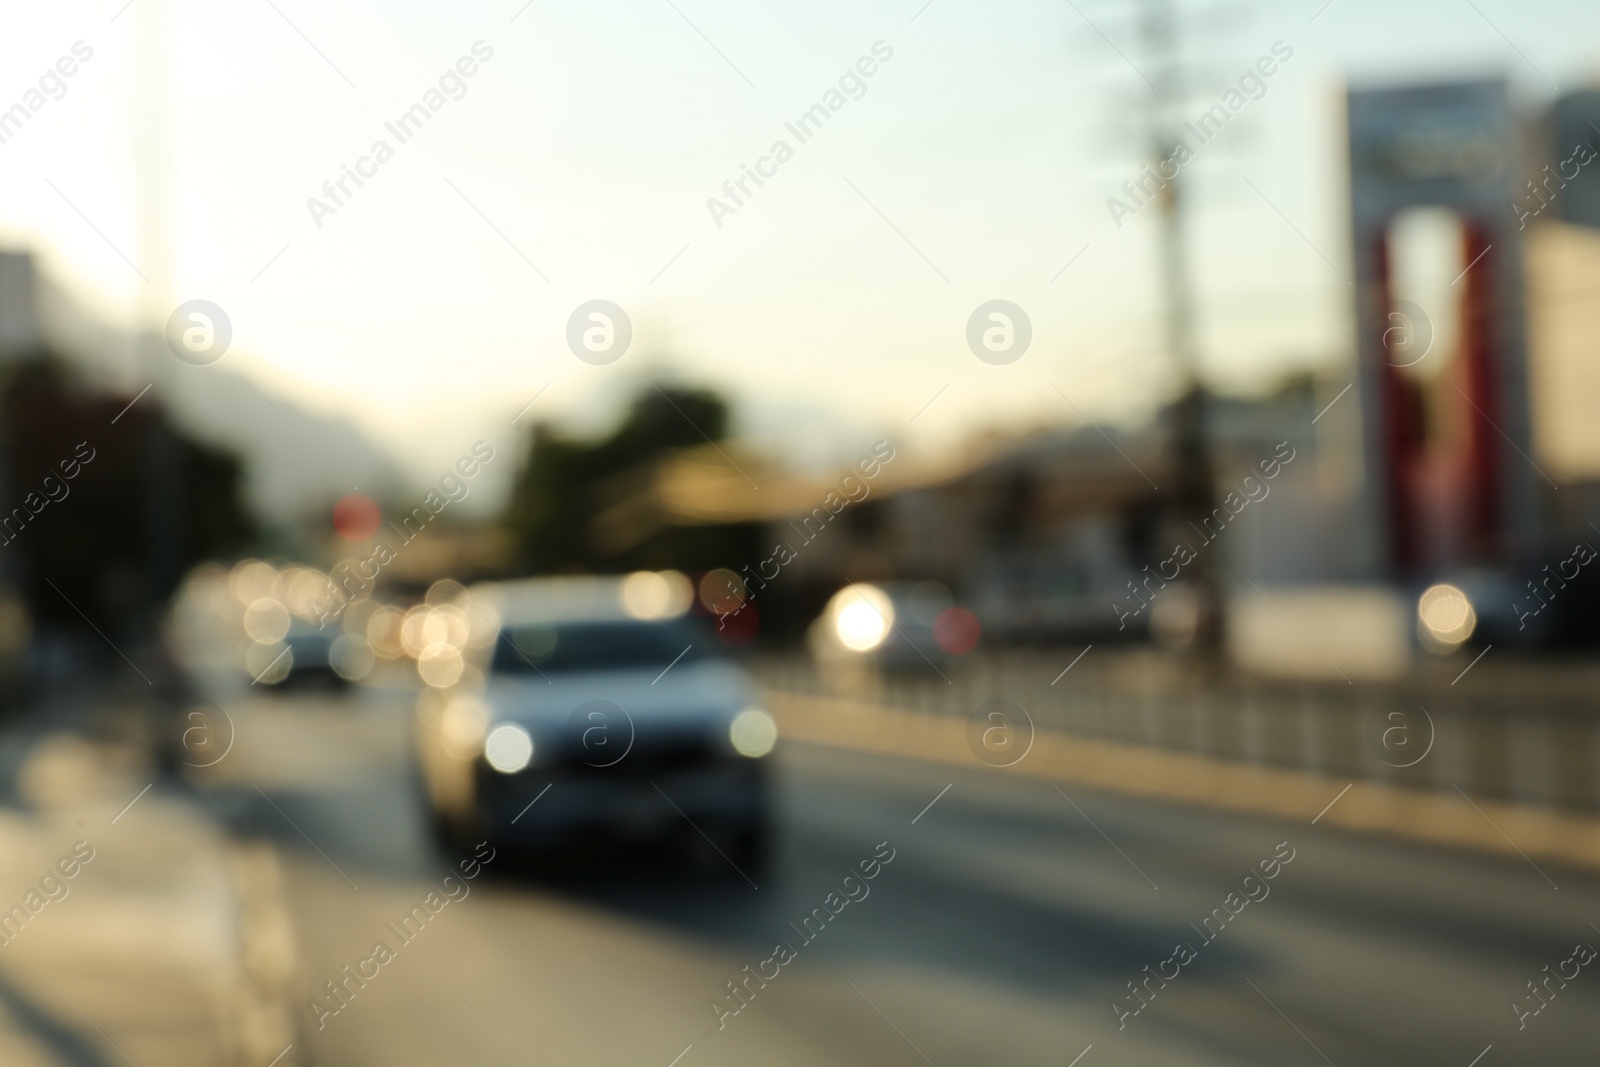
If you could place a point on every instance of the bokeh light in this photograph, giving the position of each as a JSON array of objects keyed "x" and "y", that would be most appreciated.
[
  {"x": 252, "y": 580},
  {"x": 753, "y": 733},
  {"x": 508, "y": 748},
  {"x": 721, "y": 591},
  {"x": 266, "y": 620},
  {"x": 656, "y": 594},
  {"x": 1445, "y": 618},
  {"x": 268, "y": 662},
  {"x": 862, "y": 617},
  {"x": 440, "y": 665},
  {"x": 351, "y": 657},
  {"x": 956, "y": 631},
  {"x": 383, "y": 632},
  {"x": 356, "y": 517}
]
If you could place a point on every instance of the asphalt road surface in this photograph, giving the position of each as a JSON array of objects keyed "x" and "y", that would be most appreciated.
[{"x": 1010, "y": 921}]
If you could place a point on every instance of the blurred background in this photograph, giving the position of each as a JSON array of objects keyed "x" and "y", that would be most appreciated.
[{"x": 1117, "y": 445}]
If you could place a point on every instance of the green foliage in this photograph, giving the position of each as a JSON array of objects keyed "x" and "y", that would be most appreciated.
[{"x": 567, "y": 481}]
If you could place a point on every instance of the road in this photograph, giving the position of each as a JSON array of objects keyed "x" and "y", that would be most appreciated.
[{"x": 1012, "y": 917}]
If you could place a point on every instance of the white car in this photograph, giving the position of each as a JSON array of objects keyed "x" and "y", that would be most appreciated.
[{"x": 595, "y": 704}]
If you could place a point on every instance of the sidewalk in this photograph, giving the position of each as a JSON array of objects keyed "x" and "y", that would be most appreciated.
[
  {"x": 131, "y": 929},
  {"x": 1444, "y": 818}
]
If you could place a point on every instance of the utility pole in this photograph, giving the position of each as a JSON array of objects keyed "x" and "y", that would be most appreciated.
[
  {"x": 1193, "y": 495},
  {"x": 165, "y": 511}
]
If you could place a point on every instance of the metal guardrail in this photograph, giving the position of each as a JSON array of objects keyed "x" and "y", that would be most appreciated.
[{"x": 1526, "y": 732}]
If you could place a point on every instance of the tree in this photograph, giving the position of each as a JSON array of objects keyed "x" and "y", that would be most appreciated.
[
  {"x": 103, "y": 534},
  {"x": 567, "y": 481}
]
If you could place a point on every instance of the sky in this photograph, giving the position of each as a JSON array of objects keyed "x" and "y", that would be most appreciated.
[{"x": 431, "y": 307}]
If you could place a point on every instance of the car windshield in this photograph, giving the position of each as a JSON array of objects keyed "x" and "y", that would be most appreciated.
[{"x": 613, "y": 645}]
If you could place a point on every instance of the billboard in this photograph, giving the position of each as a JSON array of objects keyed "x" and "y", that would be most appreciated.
[{"x": 1448, "y": 482}]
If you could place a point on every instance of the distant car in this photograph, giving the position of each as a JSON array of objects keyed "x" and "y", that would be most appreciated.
[
  {"x": 594, "y": 715},
  {"x": 891, "y": 626},
  {"x": 310, "y": 656}
]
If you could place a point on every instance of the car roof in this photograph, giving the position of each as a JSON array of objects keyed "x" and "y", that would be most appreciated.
[{"x": 552, "y": 600}]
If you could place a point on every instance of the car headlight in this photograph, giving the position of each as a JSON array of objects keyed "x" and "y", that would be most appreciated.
[
  {"x": 862, "y": 617},
  {"x": 508, "y": 748},
  {"x": 753, "y": 733},
  {"x": 1445, "y": 618}
]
